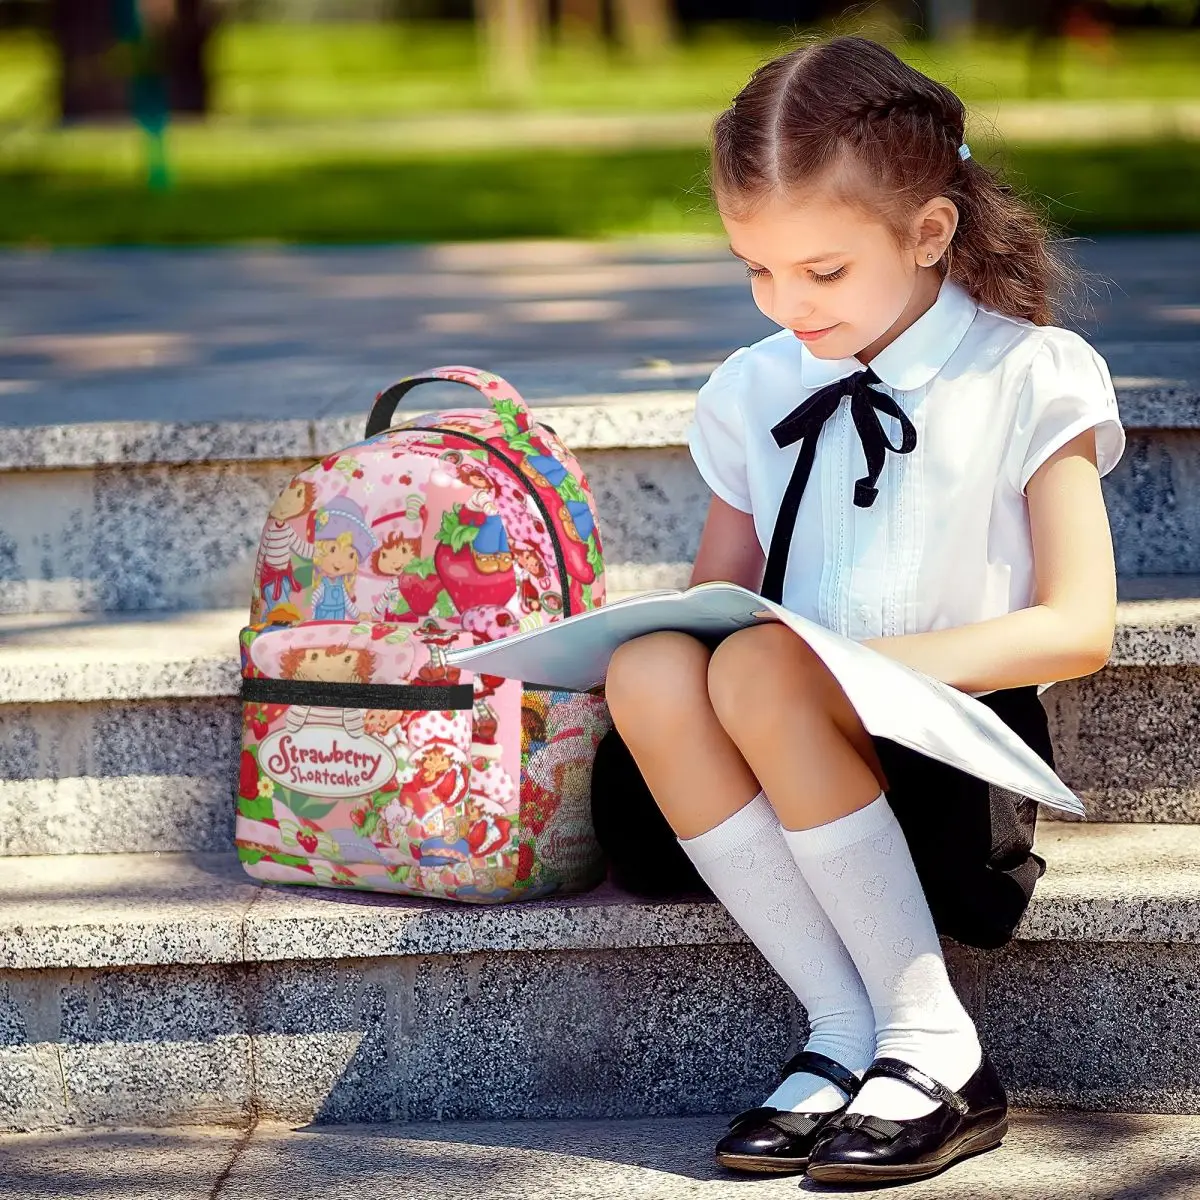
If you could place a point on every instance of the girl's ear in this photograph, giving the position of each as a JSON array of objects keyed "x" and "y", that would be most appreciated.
[{"x": 933, "y": 227}]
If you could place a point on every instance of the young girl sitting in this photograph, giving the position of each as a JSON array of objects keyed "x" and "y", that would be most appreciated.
[{"x": 914, "y": 295}]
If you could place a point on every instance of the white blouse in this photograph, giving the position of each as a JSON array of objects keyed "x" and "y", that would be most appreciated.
[{"x": 947, "y": 540}]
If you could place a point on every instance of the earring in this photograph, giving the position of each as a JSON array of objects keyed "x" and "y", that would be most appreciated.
[{"x": 929, "y": 255}]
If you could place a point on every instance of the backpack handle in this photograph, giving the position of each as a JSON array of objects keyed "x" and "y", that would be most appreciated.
[{"x": 485, "y": 382}]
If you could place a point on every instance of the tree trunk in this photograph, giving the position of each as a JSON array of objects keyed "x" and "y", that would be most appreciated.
[
  {"x": 581, "y": 21},
  {"x": 94, "y": 78},
  {"x": 645, "y": 28},
  {"x": 88, "y": 86},
  {"x": 186, "y": 44},
  {"x": 511, "y": 32}
]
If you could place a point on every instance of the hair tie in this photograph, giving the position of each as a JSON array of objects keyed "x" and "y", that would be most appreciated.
[{"x": 964, "y": 152}]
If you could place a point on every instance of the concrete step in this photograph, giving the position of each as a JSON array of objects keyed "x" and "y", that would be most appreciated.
[
  {"x": 160, "y": 515},
  {"x": 1045, "y": 1153},
  {"x": 154, "y": 404},
  {"x": 119, "y": 733},
  {"x": 171, "y": 989}
]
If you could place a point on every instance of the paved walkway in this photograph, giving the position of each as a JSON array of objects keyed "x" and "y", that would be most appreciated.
[
  {"x": 260, "y": 333},
  {"x": 1073, "y": 1156}
]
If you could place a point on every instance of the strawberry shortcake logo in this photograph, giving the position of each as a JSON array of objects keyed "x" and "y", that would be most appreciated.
[
  {"x": 323, "y": 760},
  {"x": 325, "y": 751}
]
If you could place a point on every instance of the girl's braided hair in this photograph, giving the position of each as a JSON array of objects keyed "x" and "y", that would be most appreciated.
[{"x": 850, "y": 101}]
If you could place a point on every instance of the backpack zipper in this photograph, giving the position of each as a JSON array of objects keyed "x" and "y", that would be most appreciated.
[
  {"x": 559, "y": 557},
  {"x": 394, "y": 697}
]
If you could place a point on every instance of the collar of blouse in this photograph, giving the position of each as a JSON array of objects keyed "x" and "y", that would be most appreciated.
[{"x": 915, "y": 357}]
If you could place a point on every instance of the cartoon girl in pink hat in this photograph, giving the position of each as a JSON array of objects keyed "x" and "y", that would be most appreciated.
[{"x": 343, "y": 541}]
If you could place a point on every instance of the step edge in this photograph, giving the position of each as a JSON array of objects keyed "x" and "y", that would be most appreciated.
[{"x": 589, "y": 422}]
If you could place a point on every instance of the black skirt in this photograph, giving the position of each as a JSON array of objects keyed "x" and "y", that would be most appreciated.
[{"x": 970, "y": 841}]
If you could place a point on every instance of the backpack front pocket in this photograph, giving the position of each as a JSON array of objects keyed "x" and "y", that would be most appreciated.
[{"x": 345, "y": 779}]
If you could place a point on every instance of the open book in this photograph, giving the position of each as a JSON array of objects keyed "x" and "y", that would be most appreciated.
[{"x": 893, "y": 700}]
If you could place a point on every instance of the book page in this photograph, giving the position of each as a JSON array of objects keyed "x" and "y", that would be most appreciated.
[{"x": 892, "y": 699}]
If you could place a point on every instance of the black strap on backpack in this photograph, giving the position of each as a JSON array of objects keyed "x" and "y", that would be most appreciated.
[{"x": 386, "y": 403}]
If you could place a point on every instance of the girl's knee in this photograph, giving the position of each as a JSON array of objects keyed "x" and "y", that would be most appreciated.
[
  {"x": 752, "y": 668},
  {"x": 654, "y": 674}
]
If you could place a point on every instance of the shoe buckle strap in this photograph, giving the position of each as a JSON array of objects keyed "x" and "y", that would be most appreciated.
[
  {"x": 875, "y": 1127},
  {"x": 898, "y": 1069},
  {"x": 815, "y": 1063}
]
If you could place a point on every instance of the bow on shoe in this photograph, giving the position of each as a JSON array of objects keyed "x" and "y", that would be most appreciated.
[
  {"x": 875, "y": 1127},
  {"x": 797, "y": 1123},
  {"x": 805, "y": 423}
]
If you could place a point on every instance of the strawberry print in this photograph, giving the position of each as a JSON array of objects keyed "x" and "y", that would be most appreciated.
[
  {"x": 458, "y": 527},
  {"x": 463, "y": 579}
]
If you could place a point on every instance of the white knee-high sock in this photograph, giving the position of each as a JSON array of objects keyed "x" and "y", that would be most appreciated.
[
  {"x": 747, "y": 864},
  {"x": 860, "y": 868}
]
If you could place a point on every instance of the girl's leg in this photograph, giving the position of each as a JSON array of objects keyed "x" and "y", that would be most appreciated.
[
  {"x": 795, "y": 727},
  {"x": 657, "y": 692}
]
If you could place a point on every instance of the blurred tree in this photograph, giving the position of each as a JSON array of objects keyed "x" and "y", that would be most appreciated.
[
  {"x": 84, "y": 34},
  {"x": 95, "y": 70},
  {"x": 645, "y": 28},
  {"x": 947, "y": 20},
  {"x": 581, "y": 21},
  {"x": 512, "y": 31}
]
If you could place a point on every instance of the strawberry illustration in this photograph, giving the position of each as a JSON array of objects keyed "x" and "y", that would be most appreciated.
[
  {"x": 525, "y": 860},
  {"x": 420, "y": 585},
  {"x": 248, "y": 776},
  {"x": 307, "y": 839},
  {"x": 467, "y": 585}
]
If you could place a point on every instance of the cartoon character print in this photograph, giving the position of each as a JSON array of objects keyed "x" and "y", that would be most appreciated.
[
  {"x": 472, "y": 553},
  {"x": 438, "y": 638},
  {"x": 489, "y": 622},
  {"x": 490, "y": 807},
  {"x": 275, "y": 570},
  {"x": 413, "y": 585},
  {"x": 327, "y": 664},
  {"x": 486, "y": 723},
  {"x": 566, "y": 499},
  {"x": 533, "y": 551},
  {"x": 343, "y": 541},
  {"x": 489, "y": 547},
  {"x": 534, "y": 576}
]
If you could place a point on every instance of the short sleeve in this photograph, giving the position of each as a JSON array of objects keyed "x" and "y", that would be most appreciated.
[
  {"x": 716, "y": 436},
  {"x": 1067, "y": 390}
]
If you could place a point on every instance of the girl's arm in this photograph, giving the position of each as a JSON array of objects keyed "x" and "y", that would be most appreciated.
[
  {"x": 729, "y": 548},
  {"x": 1069, "y": 629}
]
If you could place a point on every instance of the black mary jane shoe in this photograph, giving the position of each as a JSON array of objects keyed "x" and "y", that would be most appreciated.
[
  {"x": 774, "y": 1140},
  {"x": 862, "y": 1148}
]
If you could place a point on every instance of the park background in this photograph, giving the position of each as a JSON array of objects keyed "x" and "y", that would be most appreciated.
[
  {"x": 342, "y": 121},
  {"x": 223, "y": 229}
]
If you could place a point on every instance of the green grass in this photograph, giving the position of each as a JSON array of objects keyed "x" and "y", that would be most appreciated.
[
  {"x": 355, "y": 70},
  {"x": 351, "y": 198},
  {"x": 291, "y": 157}
]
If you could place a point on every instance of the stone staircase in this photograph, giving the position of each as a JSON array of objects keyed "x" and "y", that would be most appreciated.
[{"x": 145, "y": 980}]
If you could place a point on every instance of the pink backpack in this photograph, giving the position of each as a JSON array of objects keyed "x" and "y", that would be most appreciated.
[{"x": 367, "y": 760}]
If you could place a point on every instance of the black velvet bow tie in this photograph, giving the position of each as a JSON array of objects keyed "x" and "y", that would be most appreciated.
[{"x": 805, "y": 422}]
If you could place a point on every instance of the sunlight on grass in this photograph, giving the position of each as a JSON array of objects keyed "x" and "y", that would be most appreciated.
[{"x": 357, "y": 70}]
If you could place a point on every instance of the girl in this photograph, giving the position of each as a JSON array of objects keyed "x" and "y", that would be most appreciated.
[{"x": 911, "y": 285}]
